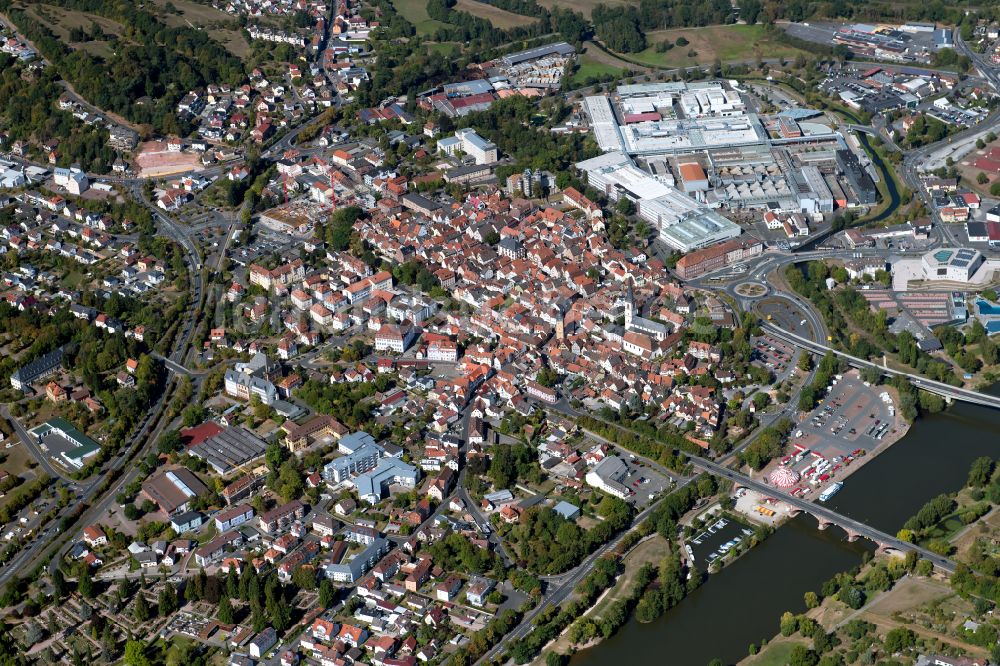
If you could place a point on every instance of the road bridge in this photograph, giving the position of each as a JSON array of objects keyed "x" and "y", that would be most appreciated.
[
  {"x": 930, "y": 385},
  {"x": 855, "y": 529}
]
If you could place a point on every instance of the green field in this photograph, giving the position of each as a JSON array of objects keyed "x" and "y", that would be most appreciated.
[
  {"x": 500, "y": 18},
  {"x": 582, "y": 6},
  {"x": 415, "y": 11},
  {"x": 589, "y": 67},
  {"x": 220, "y": 26},
  {"x": 773, "y": 655},
  {"x": 728, "y": 43}
]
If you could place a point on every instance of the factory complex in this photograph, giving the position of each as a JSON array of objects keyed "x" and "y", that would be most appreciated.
[{"x": 691, "y": 155}]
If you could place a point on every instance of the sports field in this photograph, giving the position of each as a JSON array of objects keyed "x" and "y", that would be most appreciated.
[{"x": 727, "y": 43}]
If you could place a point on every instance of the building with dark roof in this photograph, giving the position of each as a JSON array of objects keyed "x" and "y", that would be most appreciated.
[
  {"x": 230, "y": 449},
  {"x": 859, "y": 180},
  {"x": 32, "y": 371},
  {"x": 173, "y": 489},
  {"x": 557, "y": 48}
]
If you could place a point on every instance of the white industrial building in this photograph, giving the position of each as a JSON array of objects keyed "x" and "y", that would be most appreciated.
[
  {"x": 683, "y": 223},
  {"x": 469, "y": 142},
  {"x": 603, "y": 123},
  {"x": 608, "y": 475}
]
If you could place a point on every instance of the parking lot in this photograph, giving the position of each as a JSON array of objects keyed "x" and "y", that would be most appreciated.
[
  {"x": 774, "y": 355},
  {"x": 849, "y": 423},
  {"x": 647, "y": 484},
  {"x": 785, "y": 314}
]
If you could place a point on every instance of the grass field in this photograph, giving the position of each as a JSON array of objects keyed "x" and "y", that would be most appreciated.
[
  {"x": 219, "y": 25},
  {"x": 728, "y": 43},
  {"x": 61, "y": 20},
  {"x": 415, "y": 11},
  {"x": 582, "y": 6},
  {"x": 590, "y": 67},
  {"x": 16, "y": 464},
  {"x": 500, "y": 18},
  {"x": 775, "y": 654}
]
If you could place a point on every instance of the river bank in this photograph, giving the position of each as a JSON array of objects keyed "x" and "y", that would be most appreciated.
[{"x": 748, "y": 597}]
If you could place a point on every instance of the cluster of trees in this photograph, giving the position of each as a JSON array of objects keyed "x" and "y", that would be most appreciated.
[
  {"x": 645, "y": 445},
  {"x": 877, "y": 339},
  {"x": 151, "y": 61},
  {"x": 853, "y": 589},
  {"x": 513, "y": 125},
  {"x": 462, "y": 26},
  {"x": 548, "y": 543},
  {"x": 456, "y": 553},
  {"x": 347, "y": 402},
  {"x": 623, "y": 28},
  {"x": 984, "y": 491},
  {"x": 925, "y": 130},
  {"x": 484, "y": 639},
  {"x": 674, "y": 583},
  {"x": 767, "y": 445},
  {"x": 509, "y": 464},
  {"x": 554, "y": 619},
  {"x": 339, "y": 228},
  {"x": 264, "y": 595},
  {"x": 812, "y": 392},
  {"x": 415, "y": 273},
  {"x": 951, "y": 58},
  {"x": 672, "y": 586},
  {"x": 971, "y": 349},
  {"x": 29, "y": 111}
]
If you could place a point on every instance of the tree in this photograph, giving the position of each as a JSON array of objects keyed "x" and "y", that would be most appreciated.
[
  {"x": 226, "y": 615},
  {"x": 924, "y": 568},
  {"x": 135, "y": 654},
  {"x": 812, "y": 601},
  {"x": 805, "y": 362},
  {"x": 980, "y": 472},
  {"x": 141, "y": 612},
  {"x": 788, "y": 624},
  {"x": 170, "y": 441},
  {"x": 982, "y": 178},
  {"x": 58, "y": 584},
  {"x": 899, "y": 639},
  {"x": 167, "y": 600},
  {"x": 85, "y": 584},
  {"x": 327, "y": 593},
  {"x": 802, "y": 656}
]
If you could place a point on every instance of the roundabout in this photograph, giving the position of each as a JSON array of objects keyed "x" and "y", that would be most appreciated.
[{"x": 751, "y": 289}]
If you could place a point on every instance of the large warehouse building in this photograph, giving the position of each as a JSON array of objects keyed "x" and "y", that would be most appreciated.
[{"x": 683, "y": 223}]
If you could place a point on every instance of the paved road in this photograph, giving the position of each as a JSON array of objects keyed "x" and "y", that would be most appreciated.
[
  {"x": 824, "y": 514},
  {"x": 930, "y": 385},
  {"x": 29, "y": 442}
]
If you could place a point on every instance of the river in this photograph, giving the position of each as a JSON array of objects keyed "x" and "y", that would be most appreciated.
[{"x": 742, "y": 604}]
